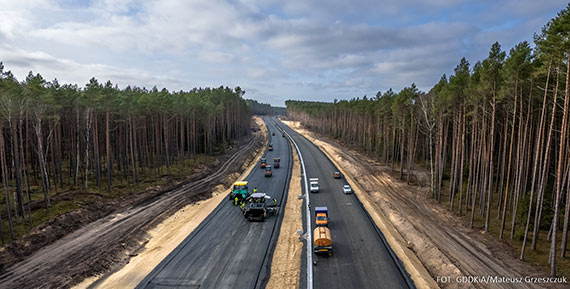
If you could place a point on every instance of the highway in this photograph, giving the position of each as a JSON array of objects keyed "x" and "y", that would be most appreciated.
[
  {"x": 360, "y": 257},
  {"x": 225, "y": 250}
]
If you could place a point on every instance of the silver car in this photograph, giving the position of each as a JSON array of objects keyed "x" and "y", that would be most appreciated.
[{"x": 347, "y": 189}]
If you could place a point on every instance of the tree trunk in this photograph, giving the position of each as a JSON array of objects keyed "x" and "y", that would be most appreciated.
[
  {"x": 88, "y": 115},
  {"x": 5, "y": 181},
  {"x": 559, "y": 174},
  {"x": 543, "y": 179},
  {"x": 108, "y": 150},
  {"x": 503, "y": 218},
  {"x": 538, "y": 146},
  {"x": 491, "y": 154},
  {"x": 42, "y": 159}
]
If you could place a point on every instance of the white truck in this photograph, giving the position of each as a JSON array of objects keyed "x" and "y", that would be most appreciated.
[{"x": 314, "y": 185}]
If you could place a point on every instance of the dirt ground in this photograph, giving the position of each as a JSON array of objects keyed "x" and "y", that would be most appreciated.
[
  {"x": 95, "y": 247},
  {"x": 441, "y": 242},
  {"x": 286, "y": 262}
]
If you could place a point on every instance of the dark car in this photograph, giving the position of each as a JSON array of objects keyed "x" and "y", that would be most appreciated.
[{"x": 336, "y": 175}]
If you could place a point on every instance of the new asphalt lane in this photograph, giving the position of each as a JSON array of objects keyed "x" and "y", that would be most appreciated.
[
  {"x": 225, "y": 250},
  {"x": 360, "y": 259}
]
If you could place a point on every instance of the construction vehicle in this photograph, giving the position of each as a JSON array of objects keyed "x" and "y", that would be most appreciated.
[
  {"x": 268, "y": 172},
  {"x": 276, "y": 163},
  {"x": 255, "y": 207},
  {"x": 270, "y": 147},
  {"x": 314, "y": 185},
  {"x": 239, "y": 190},
  {"x": 323, "y": 242},
  {"x": 321, "y": 216},
  {"x": 263, "y": 163}
]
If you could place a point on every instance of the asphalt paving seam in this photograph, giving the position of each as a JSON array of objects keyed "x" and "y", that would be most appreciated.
[{"x": 148, "y": 279}]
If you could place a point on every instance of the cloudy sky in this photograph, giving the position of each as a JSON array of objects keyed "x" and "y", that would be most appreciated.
[{"x": 275, "y": 50}]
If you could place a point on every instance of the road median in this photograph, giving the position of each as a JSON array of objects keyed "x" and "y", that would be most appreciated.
[{"x": 286, "y": 263}]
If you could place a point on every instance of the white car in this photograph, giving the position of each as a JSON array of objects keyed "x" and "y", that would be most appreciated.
[{"x": 347, "y": 189}]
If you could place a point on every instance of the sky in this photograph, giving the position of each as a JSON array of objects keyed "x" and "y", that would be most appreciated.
[{"x": 274, "y": 50}]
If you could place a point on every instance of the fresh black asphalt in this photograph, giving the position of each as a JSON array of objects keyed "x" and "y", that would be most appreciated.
[
  {"x": 361, "y": 259},
  {"x": 225, "y": 250}
]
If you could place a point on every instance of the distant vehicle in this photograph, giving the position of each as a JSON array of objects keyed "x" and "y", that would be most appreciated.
[
  {"x": 270, "y": 147},
  {"x": 321, "y": 216},
  {"x": 347, "y": 189},
  {"x": 314, "y": 185},
  {"x": 239, "y": 190},
  {"x": 336, "y": 175},
  {"x": 273, "y": 134},
  {"x": 263, "y": 162},
  {"x": 283, "y": 134},
  {"x": 268, "y": 172},
  {"x": 276, "y": 162},
  {"x": 323, "y": 242}
]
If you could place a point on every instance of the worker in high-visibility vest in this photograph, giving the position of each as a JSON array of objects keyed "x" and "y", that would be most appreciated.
[
  {"x": 254, "y": 190},
  {"x": 235, "y": 201}
]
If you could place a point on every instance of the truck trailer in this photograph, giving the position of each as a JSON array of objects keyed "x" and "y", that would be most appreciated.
[{"x": 323, "y": 242}]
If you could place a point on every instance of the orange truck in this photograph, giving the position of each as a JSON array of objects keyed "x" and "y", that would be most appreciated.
[
  {"x": 321, "y": 216},
  {"x": 268, "y": 172}
]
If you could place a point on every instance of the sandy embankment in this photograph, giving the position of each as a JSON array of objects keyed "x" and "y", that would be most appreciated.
[
  {"x": 419, "y": 274},
  {"x": 166, "y": 236},
  {"x": 286, "y": 263}
]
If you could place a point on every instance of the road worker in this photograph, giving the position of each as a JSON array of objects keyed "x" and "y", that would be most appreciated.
[
  {"x": 236, "y": 201},
  {"x": 254, "y": 190}
]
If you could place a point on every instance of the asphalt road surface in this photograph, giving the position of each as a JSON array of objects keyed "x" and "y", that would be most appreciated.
[
  {"x": 225, "y": 250},
  {"x": 360, "y": 257}
]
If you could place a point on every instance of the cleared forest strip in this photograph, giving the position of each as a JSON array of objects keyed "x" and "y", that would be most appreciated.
[
  {"x": 443, "y": 244},
  {"x": 286, "y": 263},
  {"x": 414, "y": 267},
  {"x": 104, "y": 245},
  {"x": 167, "y": 235}
]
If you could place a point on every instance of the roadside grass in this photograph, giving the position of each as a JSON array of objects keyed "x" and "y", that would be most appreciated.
[{"x": 78, "y": 197}]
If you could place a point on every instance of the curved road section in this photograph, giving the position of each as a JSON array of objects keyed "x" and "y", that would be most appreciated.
[
  {"x": 225, "y": 250},
  {"x": 361, "y": 257}
]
